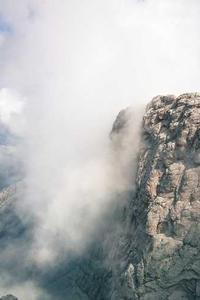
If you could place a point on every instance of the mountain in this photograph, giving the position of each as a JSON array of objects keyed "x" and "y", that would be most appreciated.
[
  {"x": 162, "y": 248},
  {"x": 150, "y": 248}
]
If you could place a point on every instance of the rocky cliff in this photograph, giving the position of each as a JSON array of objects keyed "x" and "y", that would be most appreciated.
[
  {"x": 151, "y": 247},
  {"x": 162, "y": 245}
]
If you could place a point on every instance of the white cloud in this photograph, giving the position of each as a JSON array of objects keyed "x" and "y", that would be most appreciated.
[{"x": 11, "y": 106}]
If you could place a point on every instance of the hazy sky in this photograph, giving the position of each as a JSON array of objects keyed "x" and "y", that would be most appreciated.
[{"x": 67, "y": 68}]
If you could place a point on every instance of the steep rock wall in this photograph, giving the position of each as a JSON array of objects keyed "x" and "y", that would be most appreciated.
[{"x": 163, "y": 257}]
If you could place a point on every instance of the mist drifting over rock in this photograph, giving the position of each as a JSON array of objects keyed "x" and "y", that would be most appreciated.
[{"x": 78, "y": 212}]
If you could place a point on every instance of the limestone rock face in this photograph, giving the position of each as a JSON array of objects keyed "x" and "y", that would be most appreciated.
[{"x": 163, "y": 256}]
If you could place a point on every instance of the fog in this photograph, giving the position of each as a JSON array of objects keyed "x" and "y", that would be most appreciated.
[{"x": 67, "y": 69}]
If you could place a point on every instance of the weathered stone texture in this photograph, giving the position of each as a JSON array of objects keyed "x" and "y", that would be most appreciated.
[{"x": 166, "y": 207}]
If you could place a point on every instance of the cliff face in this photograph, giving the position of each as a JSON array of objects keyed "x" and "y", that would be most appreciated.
[
  {"x": 151, "y": 249},
  {"x": 163, "y": 256}
]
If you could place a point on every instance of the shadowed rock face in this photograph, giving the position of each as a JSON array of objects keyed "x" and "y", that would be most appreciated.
[{"x": 150, "y": 249}]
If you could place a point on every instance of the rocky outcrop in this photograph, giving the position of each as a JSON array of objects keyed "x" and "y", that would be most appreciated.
[{"x": 163, "y": 257}]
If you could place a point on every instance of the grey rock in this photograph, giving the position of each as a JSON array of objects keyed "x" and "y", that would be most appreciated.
[{"x": 166, "y": 206}]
